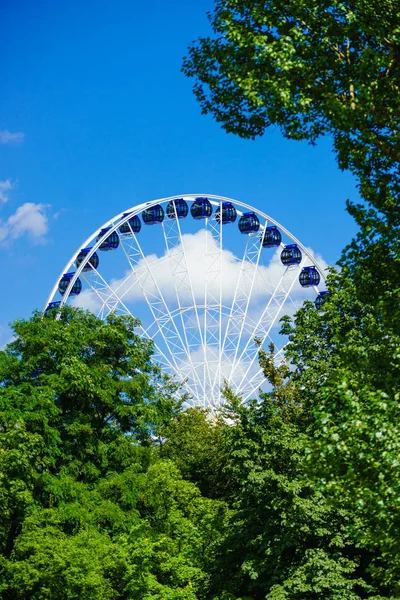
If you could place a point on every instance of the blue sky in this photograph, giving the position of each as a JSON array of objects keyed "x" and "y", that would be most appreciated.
[{"x": 95, "y": 116}]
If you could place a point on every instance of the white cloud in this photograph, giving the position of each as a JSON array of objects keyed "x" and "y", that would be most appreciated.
[
  {"x": 5, "y": 187},
  {"x": 87, "y": 300},
  {"x": 230, "y": 267},
  {"x": 129, "y": 287},
  {"x": 58, "y": 213},
  {"x": 267, "y": 276},
  {"x": 196, "y": 246},
  {"x": 29, "y": 219},
  {"x": 7, "y": 137}
]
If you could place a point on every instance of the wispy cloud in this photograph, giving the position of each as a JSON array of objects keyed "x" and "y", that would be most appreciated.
[
  {"x": 7, "y": 137},
  {"x": 5, "y": 187},
  {"x": 58, "y": 213},
  {"x": 29, "y": 219}
]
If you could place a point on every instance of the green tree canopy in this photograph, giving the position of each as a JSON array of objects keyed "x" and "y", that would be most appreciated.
[
  {"x": 312, "y": 67},
  {"x": 316, "y": 68},
  {"x": 89, "y": 508},
  {"x": 346, "y": 374}
]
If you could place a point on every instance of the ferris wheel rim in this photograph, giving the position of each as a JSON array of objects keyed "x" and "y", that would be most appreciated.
[
  {"x": 112, "y": 225},
  {"x": 119, "y": 220}
]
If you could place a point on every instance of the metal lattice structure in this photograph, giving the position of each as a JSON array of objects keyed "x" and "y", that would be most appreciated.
[{"x": 202, "y": 310}]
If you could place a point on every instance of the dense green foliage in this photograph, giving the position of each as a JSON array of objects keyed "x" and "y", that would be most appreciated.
[
  {"x": 312, "y": 67},
  {"x": 347, "y": 373},
  {"x": 109, "y": 491},
  {"x": 315, "y": 68},
  {"x": 89, "y": 510}
]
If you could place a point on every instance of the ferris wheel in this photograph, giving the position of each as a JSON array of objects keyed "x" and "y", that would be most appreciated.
[{"x": 207, "y": 276}]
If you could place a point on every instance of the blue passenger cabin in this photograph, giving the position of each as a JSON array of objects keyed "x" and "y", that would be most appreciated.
[
  {"x": 177, "y": 208},
  {"x": 291, "y": 255},
  {"x": 249, "y": 223},
  {"x": 227, "y": 214},
  {"x": 64, "y": 283},
  {"x": 111, "y": 242},
  {"x": 320, "y": 299},
  {"x": 153, "y": 214},
  {"x": 92, "y": 263},
  {"x": 52, "y": 306},
  {"x": 201, "y": 209},
  {"x": 132, "y": 225},
  {"x": 35, "y": 374},
  {"x": 309, "y": 276},
  {"x": 271, "y": 237}
]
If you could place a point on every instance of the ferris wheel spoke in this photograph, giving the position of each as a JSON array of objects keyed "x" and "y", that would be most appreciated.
[
  {"x": 101, "y": 296},
  {"x": 252, "y": 386},
  {"x": 279, "y": 356},
  {"x": 213, "y": 303},
  {"x": 130, "y": 280},
  {"x": 220, "y": 306},
  {"x": 238, "y": 317},
  {"x": 269, "y": 317},
  {"x": 185, "y": 297},
  {"x": 107, "y": 297},
  {"x": 158, "y": 307},
  {"x": 273, "y": 305},
  {"x": 104, "y": 292},
  {"x": 159, "y": 355},
  {"x": 258, "y": 378},
  {"x": 151, "y": 333}
]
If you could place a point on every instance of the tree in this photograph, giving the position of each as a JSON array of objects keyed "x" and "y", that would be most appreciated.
[
  {"x": 89, "y": 509},
  {"x": 312, "y": 68},
  {"x": 283, "y": 538},
  {"x": 317, "y": 68},
  {"x": 347, "y": 373},
  {"x": 194, "y": 441}
]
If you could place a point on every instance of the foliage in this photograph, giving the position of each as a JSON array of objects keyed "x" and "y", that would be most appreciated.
[
  {"x": 317, "y": 68},
  {"x": 283, "y": 538},
  {"x": 89, "y": 509},
  {"x": 312, "y": 68},
  {"x": 348, "y": 376},
  {"x": 194, "y": 441},
  {"x": 108, "y": 491}
]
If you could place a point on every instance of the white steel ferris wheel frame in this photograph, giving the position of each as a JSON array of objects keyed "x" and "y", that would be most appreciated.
[{"x": 184, "y": 329}]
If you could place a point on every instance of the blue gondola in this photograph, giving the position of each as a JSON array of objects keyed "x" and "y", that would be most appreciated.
[
  {"x": 178, "y": 205},
  {"x": 64, "y": 283},
  {"x": 35, "y": 374},
  {"x": 291, "y": 255},
  {"x": 309, "y": 276},
  {"x": 249, "y": 223},
  {"x": 92, "y": 263},
  {"x": 111, "y": 242},
  {"x": 52, "y": 306},
  {"x": 153, "y": 215},
  {"x": 133, "y": 225},
  {"x": 271, "y": 237},
  {"x": 228, "y": 213},
  {"x": 320, "y": 299},
  {"x": 201, "y": 209}
]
